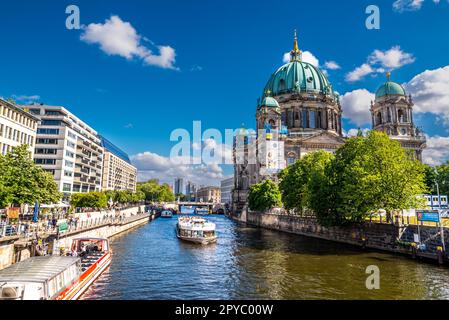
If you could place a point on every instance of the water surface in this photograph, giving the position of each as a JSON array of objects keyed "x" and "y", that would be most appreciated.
[{"x": 247, "y": 263}]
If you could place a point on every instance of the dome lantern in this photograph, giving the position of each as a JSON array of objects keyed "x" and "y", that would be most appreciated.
[{"x": 295, "y": 54}]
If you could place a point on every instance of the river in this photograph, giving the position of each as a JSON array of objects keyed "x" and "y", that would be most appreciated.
[{"x": 150, "y": 263}]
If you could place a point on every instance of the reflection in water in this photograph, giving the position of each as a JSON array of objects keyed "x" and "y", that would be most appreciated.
[{"x": 249, "y": 263}]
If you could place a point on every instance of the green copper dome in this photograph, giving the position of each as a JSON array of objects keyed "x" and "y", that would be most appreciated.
[
  {"x": 390, "y": 88},
  {"x": 269, "y": 102},
  {"x": 298, "y": 76}
]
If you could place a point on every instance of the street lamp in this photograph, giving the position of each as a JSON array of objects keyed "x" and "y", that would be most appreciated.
[{"x": 439, "y": 211}]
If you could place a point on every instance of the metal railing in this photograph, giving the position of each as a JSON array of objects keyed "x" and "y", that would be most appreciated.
[{"x": 28, "y": 230}]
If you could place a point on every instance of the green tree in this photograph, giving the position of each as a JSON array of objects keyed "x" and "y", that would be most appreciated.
[
  {"x": 443, "y": 178},
  {"x": 372, "y": 173},
  {"x": 264, "y": 196},
  {"x": 296, "y": 180},
  {"x": 150, "y": 189},
  {"x": 165, "y": 194},
  {"x": 89, "y": 200},
  {"x": 22, "y": 181},
  {"x": 429, "y": 178},
  {"x": 153, "y": 191}
]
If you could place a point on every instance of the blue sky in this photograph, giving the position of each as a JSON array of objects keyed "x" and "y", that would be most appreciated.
[{"x": 225, "y": 52}]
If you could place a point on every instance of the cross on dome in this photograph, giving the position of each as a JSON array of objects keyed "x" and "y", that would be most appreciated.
[{"x": 296, "y": 54}]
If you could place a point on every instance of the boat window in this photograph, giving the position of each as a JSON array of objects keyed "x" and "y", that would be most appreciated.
[
  {"x": 59, "y": 282},
  {"x": 51, "y": 287}
]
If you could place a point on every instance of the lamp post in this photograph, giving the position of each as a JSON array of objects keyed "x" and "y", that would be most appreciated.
[{"x": 439, "y": 210}]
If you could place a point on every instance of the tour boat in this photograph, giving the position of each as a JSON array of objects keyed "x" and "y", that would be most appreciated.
[
  {"x": 195, "y": 229},
  {"x": 166, "y": 214},
  {"x": 56, "y": 277},
  {"x": 202, "y": 211}
]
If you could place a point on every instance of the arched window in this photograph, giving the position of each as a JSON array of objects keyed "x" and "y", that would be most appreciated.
[
  {"x": 402, "y": 116},
  {"x": 272, "y": 123},
  {"x": 388, "y": 114},
  {"x": 378, "y": 118}
]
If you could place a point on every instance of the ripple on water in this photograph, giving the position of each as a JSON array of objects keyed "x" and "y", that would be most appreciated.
[{"x": 249, "y": 263}]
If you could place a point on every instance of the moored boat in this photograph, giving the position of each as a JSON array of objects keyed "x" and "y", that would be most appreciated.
[
  {"x": 166, "y": 214},
  {"x": 196, "y": 230},
  {"x": 57, "y": 277}
]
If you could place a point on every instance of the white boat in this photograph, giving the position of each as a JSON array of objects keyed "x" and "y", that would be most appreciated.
[
  {"x": 166, "y": 214},
  {"x": 195, "y": 229},
  {"x": 56, "y": 277}
]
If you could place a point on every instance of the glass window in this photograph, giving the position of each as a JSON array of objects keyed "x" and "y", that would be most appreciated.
[
  {"x": 304, "y": 119},
  {"x": 312, "y": 118},
  {"x": 69, "y": 154},
  {"x": 46, "y": 151},
  {"x": 51, "y": 122},
  {"x": 47, "y": 131},
  {"x": 47, "y": 141},
  {"x": 45, "y": 161}
]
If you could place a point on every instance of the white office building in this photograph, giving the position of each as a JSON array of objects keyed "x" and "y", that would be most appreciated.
[
  {"x": 118, "y": 172},
  {"x": 17, "y": 127},
  {"x": 68, "y": 148}
]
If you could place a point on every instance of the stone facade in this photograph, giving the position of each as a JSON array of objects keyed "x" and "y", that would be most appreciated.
[{"x": 392, "y": 113}]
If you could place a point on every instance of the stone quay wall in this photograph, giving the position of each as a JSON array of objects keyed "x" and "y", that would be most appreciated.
[{"x": 387, "y": 237}]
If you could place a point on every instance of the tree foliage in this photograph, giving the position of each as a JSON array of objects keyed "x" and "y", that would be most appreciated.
[
  {"x": 296, "y": 180},
  {"x": 23, "y": 182},
  {"x": 369, "y": 174},
  {"x": 96, "y": 200},
  {"x": 124, "y": 196},
  {"x": 443, "y": 178},
  {"x": 264, "y": 196},
  {"x": 365, "y": 175},
  {"x": 156, "y": 192}
]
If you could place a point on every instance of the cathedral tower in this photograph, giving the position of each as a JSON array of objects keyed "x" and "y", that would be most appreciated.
[{"x": 392, "y": 113}]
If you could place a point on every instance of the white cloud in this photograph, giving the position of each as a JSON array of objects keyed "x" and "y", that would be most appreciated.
[
  {"x": 209, "y": 172},
  {"x": 437, "y": 150},
  {"x": 356, "y": 105},
  {"x": 354, "y": 132},
  {"x": 378, "y": 61},
  {"x": 430, "y": 92},
  {"x": 116, "y": 37},
  {"x": 407, "y": 5},
  {"x": 391, "y": 59},
  {"x": 332, "y": 65},
  {"x": 359, "y": 72},
  {"x": 307, "y": 56},
  {"x": 153, "y": 166}
]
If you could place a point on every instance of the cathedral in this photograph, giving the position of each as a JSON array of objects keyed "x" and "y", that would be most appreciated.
[{"x": 299, "y": 113}]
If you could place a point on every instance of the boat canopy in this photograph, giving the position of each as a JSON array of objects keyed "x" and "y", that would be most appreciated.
[{"x": 36, "y": 269}]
